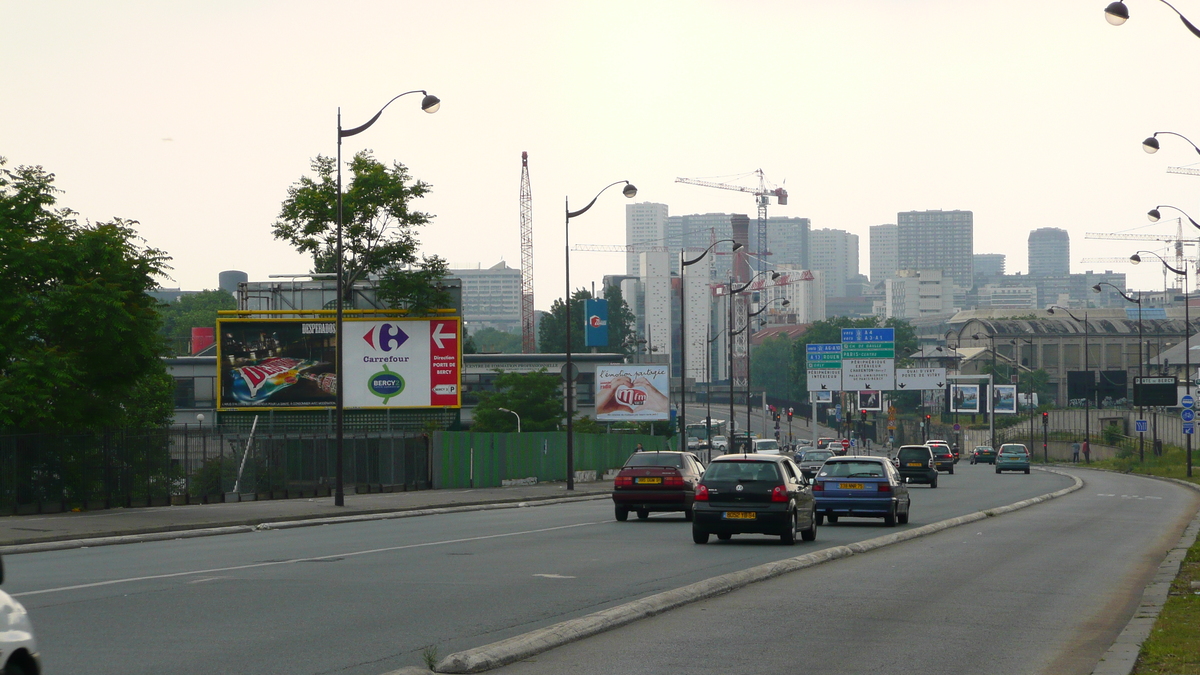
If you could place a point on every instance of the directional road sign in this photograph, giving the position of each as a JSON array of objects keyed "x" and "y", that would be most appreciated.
[
  {"x": 911, "y": 379},
  {"x": 868, "y": 374},
  {"x": 1189, "y": 427},
  {"x": 824, "y": 379}
]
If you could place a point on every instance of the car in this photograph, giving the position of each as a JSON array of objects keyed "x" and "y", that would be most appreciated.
[
  {"x": 720, "y": 443},
  {"x": 810, "y": 461},
  {"x": 753, "y": 494},
  {"x": 1012, "y": 457},
  {"x": 916, "y": 464},
  {"x": 839, "y": 448},
  {"x": 982, "y": 454},
  {"x": 952, "y": 448},
  {"x": 656, "y": 481},
  {"x": 18, "y": 646},
  {"x": 823, "y": 443},
  {"x": 693, "y": 443},
  {"x": 859, "y": 486},
  {"x": 766, "y": 446},
  {"x": 943, "y": 457}
]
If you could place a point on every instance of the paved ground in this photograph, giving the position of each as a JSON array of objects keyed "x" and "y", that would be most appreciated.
[{"x": 19, "y": 531}]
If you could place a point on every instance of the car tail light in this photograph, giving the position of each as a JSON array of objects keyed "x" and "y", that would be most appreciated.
[
  {"x": 701, "y": 493},
  {"x": 623, "y": 481},
  {"x": 673, "y": 481},
  {"x": 885, "y": 487},
  {"x": 779, "y": 494},
  {"x": 818, "y": 486}
]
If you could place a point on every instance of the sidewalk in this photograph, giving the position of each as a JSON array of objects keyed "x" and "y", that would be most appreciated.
[{"x": 68, "y": 527}]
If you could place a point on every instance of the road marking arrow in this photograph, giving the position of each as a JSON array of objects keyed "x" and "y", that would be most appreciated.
[{"x": 437, "y": 335}]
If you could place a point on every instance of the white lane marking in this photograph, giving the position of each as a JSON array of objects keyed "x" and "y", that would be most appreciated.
[
  {"x": 553, "y": 576},
  {"x": 274, "y": 563}
]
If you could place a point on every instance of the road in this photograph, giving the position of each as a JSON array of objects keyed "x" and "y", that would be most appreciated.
[
  {"x": 366, "y": 598},
  {"x": 1042, "y": 590}
]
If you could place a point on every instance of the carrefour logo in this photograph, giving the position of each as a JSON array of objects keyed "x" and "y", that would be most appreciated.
[
  {"x": 390, "y": 337},
  {"x": 385, "y": 384}
]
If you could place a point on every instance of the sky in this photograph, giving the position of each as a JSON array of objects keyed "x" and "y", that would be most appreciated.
[{"x": 194, "y": 118}]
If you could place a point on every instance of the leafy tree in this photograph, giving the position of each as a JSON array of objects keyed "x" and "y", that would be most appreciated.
[
  {"x": 536, "y": 397},
  {"x": 552, "y": 330},
  {"x": 492, "y": 341},
  {"x": 378, "y": 229},
  {"x": 771, "y": 366},
  {"x": 79, "y": 342},
  {"x": 192, "y": 311},
  {"x": 622, "y": 323}
]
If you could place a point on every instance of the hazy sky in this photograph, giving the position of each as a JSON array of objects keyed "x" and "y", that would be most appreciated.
[{"x": 193, "y": 118}]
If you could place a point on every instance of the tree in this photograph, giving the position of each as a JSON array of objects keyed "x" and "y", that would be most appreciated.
[
  {"x": 552, "y": 332},
  {"x": 79, "y": 342},
  {"x": 771, "y": 366},
  {"x": 378, "y": 229},
  {"x": 192, "y": 311},
  {"x": 536, "y": 397},
  {"x": 492, "y": 341},
  {"x": 621, "y": 322}
]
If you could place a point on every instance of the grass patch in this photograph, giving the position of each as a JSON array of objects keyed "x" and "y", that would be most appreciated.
[{"x": 1173, "y": 647}]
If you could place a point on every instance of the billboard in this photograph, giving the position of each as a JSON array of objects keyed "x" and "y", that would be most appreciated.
[
  {"x": 869, "y": 400},
  {"x": 964, "y": 398},
  {"x": 595, "y": 329},
  {"x": 387, "y": 363},
  {"x": 633, "y": 393},
  {"x": 1004, "y": 399}
]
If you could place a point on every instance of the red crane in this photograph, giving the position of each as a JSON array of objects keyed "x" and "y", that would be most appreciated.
[{"x": 528, "y": 339}]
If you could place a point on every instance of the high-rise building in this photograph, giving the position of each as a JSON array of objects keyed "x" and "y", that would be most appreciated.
[
  {"x": 834, "y": 252},
  {"x": 697, "y": 231},
  {"x": 915, "y": 294},
  {"x": 989, "y": 265},
  {"x": 787, "y": 241},
  {"x": 491, "y": 297},
  {"x": 937, "y": 240},
  {"x": 1049, "y": 252},
  {"x": 884, "y": 260},
  {"x": 645, "y": 225}
]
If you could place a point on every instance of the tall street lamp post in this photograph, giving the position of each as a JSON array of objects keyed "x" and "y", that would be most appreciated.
[
  {"x": 513, "y": 413},
  {"x": 1087, "y": 401},
  {"x": 1141, "y": 360},
  {"x": 683, "y": 334},
  {"x": 749, "y": 316},
  {"x": 990, "y": 411},
  {"x": 1117, "y": 13},
  {"x": 429, "y": 104},
  {"x": 732, "y": 334},
  {"x": 1029, "y": 396},
  {"x": 569, "y": 374},
  {"x": 708, "y": 356},
  {"x": 1187, "y": 336}
]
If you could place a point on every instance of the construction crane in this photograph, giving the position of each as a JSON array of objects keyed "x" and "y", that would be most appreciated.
[
  {"x": 762, "y": 196},
  {"x": 1177, "y": 241},
  {"x": 528, "y": 339}
]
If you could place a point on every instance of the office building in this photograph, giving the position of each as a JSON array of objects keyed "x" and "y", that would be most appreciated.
[
  {"x": 914, "y": 294},
  {"x": 787, "y": 241},
  {"x": 645, "y": 226},
  {"x": 491, "y": 297},
  {"x": 989, "y": 265},
  {"x": 937, "y": 240},
  {"x": 1049, "y": 252},
  {"x": 834, "y": 252},
  {"x": 884, "y": 251}
]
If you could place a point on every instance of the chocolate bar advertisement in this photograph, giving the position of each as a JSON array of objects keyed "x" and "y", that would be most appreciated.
[{"x": 276, "y": 363}]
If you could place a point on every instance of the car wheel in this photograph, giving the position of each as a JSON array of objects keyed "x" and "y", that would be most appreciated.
[
  {"x": 933, "y": 483},
  {"x": 788, "y": 536},
  {"x": 622, "y": 513},
  {"x": 811, "y": 533},
  {"x": 1027, "y": 471},
  {"x": 14, "y": 668},
  {"x": 699, "y": 536},
  {"x": 819, "y": 519},
  {"x": 997, "y": 469},
  {"x": 902, "y": 518},
  {"x": 832, "y": 519},
  {"x": 688, "y": 514},
  {"x": 951, "y": 469},
  {"x": 724, "y": 537},
  {"x": 643, "y": 514}
]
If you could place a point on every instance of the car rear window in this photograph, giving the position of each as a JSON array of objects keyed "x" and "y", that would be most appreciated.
[
  {"x": 816, "y": 456},
  {"x": 859, "y": 468},
  {"x": 743, "y": 471},
  {"x": 766, "y": 445},
  {"x": 655, "y": 459},
  {"x": 914, "y": 453}
]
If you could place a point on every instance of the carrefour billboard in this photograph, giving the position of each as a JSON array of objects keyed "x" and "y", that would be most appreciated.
[{"x": 387, "y": 363}]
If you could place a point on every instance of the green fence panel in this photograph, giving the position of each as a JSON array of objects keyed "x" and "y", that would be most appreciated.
[{"x": 542, "y": 455}]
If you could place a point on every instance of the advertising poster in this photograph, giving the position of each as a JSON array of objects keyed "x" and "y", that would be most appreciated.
[
  {"x": 819, "y": 396},
  {"x": 964, "y": 398},
  {"x": 633, "y": 393},
  {"x": 289, "y": 363},
  {"x": 869, "y": 400},
  {"x": 595, "y": 329},
  {"x": 1004, "y": 400}
]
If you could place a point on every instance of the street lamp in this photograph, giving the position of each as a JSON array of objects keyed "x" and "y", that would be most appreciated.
[
  {"x": 569, "y": 375},
  {"x": 749, "y": 316},
  {"x": 733, "y": 333},
  {"x": 1016, "y": 342},
  {"x": 514, "y": 413},
  {"x": 991, "y": 408},
  {"x": 429, "y": 104},
  {"x": 683, "y": 337},
  {"x": 708, "y": 395},
  {"x": 1187, "y": 336},
  {"x": 1154, "y": 215},
  {"x": 1138, "y": 301},
  {"x": 1150, "y": 145},
  {"x": 1117, "y": 13},
  {"x": 1087, "y": 400}
]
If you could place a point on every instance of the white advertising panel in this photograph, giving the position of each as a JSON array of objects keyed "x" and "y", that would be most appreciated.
[
  {"x": 401, "y": 363},
  {"x": 633, "y": 393}
]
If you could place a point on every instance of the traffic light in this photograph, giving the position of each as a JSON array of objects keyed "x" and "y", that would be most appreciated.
[
  {"x": 927, "y": 418},
  {"x": 789, "y": 414},
  {"x": 862, "y": 415},
  {"x": 1045, "y": 419}
]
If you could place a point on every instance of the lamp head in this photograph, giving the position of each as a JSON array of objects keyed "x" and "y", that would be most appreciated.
[
  {"x": 431, "y": 103},
  {"x": 1150, "y": 145},
  {"x": 1096, "y": 288},
  {"x": 1116, "y": 13},
  {"x": 1153, "y": 215},
  {"x": 775, "y": 275},
  {"x": 977, "y": 336},
  {"x": 785, "y": 302},
  {"x": 1135, "y": 259},
  {"x": 629, "y": 191},
  {"x": 737, "y": 246},
  {"x": 1049, "y": 310}
]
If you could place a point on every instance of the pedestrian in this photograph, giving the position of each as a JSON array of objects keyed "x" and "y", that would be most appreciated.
[
  {"x": 639, "y": 448},
  {"x": 1087, "y": 452},
  {"x": 1075, "y": 452}
]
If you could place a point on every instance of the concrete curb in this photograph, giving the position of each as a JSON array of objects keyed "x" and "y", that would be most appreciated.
[
  {"x": 535, "y": 642},
  {"x": 166, "y": 535},
  {"x": 1121, "y": 657}
]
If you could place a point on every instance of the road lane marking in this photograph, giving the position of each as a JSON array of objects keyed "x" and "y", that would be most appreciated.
[
  {"x": 274, "y": 563},
  {"x": 553, "y": 576}
]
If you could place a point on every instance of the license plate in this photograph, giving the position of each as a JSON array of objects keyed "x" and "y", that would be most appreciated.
[
  {"x": 914, "y": 464},
  {"x": 850, "y": 486},
  {"x": 648, "y": 481},
  {"x": 740, "y": 515}
]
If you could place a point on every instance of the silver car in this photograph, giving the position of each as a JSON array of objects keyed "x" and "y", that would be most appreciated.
[
  {"x": 18, "y": 648},
  {"x": 811, "y": 459}
]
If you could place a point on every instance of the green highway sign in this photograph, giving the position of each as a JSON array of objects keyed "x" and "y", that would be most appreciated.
[{"x": 869, "y": 352}]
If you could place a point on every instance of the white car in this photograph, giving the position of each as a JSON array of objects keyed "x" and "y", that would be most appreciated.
[
  {"x": 18, "y": 648},
  {"x": 766, "y": 446},
  {"x": 720, "y": 443}
]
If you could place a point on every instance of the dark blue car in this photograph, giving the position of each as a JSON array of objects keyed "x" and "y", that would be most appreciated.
[{"x": 860, "y": 487}]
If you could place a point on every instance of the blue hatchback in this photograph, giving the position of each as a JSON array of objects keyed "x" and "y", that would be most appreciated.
[
  {"x": 860, "y": 487},
  {"x": 1012, "y": 457}
]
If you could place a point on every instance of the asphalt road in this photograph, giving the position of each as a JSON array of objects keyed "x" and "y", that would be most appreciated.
[
  {"x": 366, "y": 598},
  {"x": 1042, "y": 590}
]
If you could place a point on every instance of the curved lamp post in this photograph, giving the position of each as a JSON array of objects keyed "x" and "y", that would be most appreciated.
[
  {"x": 569, "y": 376},
  {"x": 751, "y": 315},
  {"x": 429, "y": 104},
  {"x": 1087, "y": 401},
  {"x": 732, "y": 333},
  {"x": 1138, "y": 302},
  {"x": 683, "y": 265},
  {"x": 1117, "y": 13},
  {"x": 1155, "y": 215},
  {"x": 708, "y": 395},
  {"x": 513, "y": 412},
  {"x": 991, "y": 408},
  {"x": 1150, "y": 145},
  {"x": 1187, "y": 336}
]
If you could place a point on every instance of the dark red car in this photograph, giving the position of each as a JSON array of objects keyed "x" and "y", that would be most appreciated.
[{"x": 656, "y": 481}]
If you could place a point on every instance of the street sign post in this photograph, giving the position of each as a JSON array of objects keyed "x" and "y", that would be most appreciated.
[
  {"x": 1141, "y": 426},
  {"x": 914, "y": 379}
]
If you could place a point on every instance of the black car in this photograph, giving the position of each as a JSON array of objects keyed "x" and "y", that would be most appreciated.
[
  {"x": 943, "y": 457},
  {"x": 753, "y": 494},
  {"x": 916, "y": 464}
]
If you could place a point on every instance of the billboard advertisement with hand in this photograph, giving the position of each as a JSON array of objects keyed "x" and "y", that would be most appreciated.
[{"x": 632, "y": 393}]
